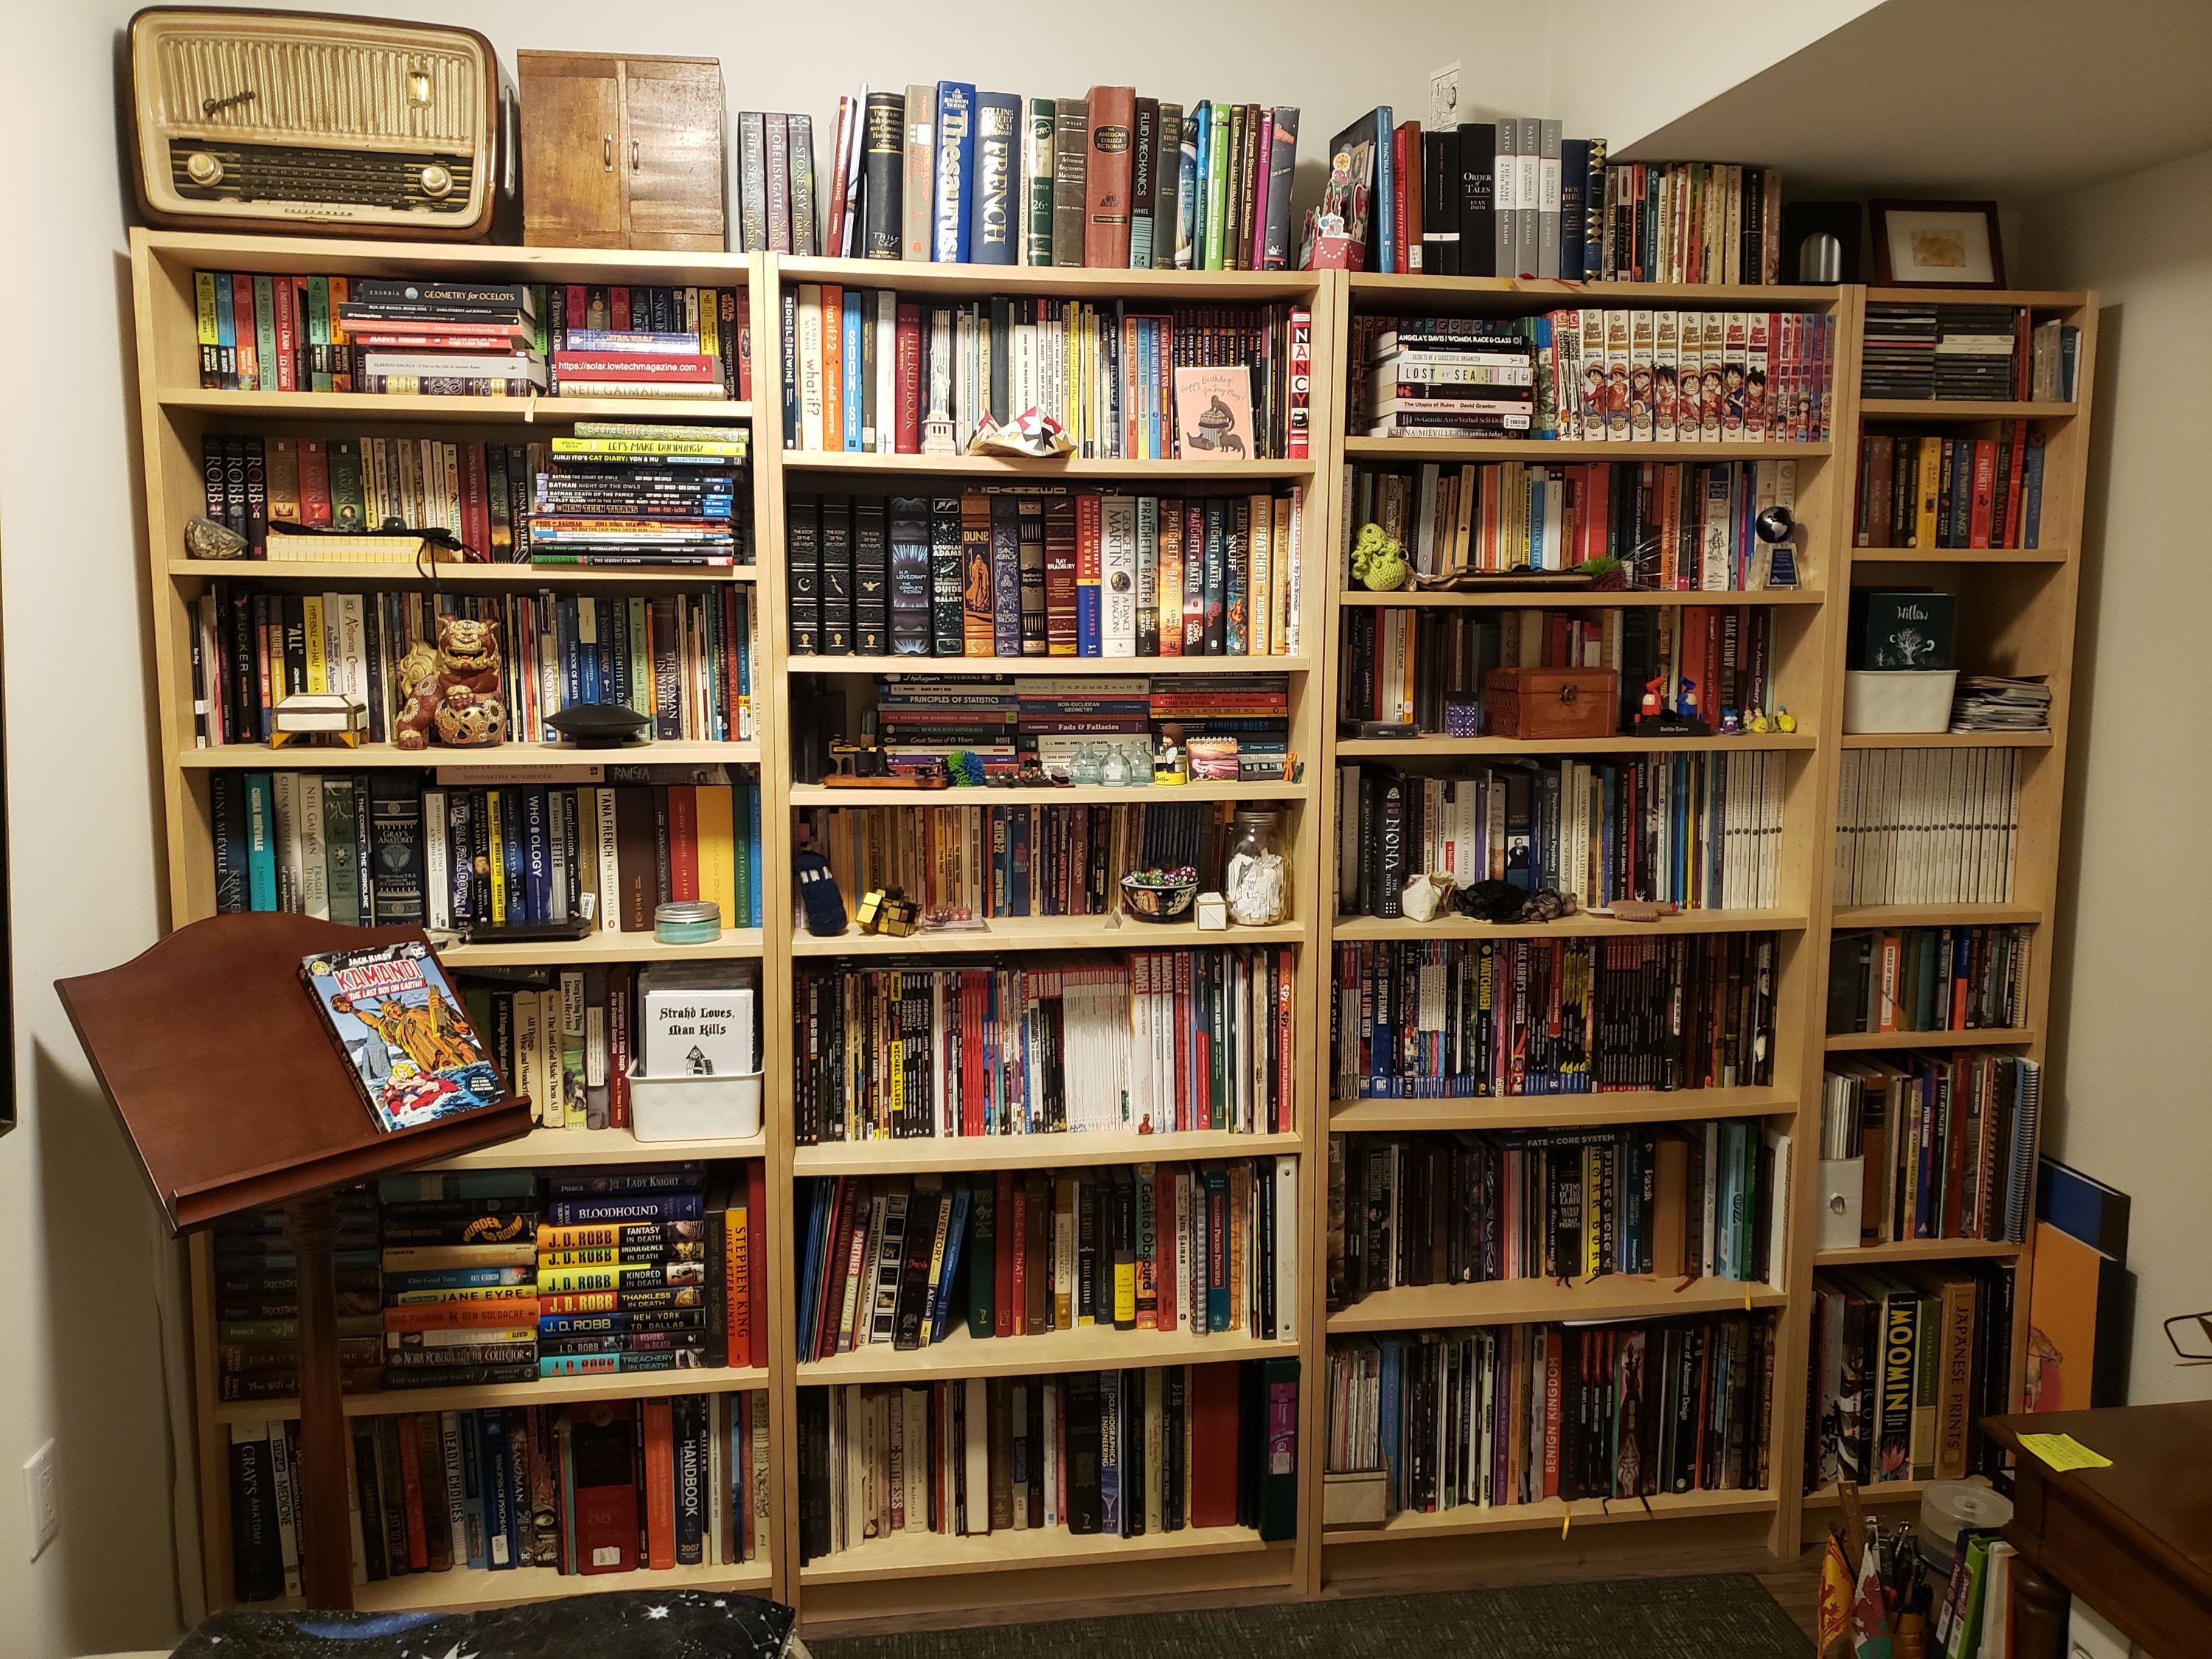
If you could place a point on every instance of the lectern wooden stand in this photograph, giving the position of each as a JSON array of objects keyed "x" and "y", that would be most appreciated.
[{"x": 236, "y": 1097}]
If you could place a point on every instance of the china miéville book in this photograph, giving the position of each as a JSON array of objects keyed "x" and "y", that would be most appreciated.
[
  {"x": 413, "y": 1052},
  {"x": 956, "y": 168},
  {"x": 883, "y": 163},
  {"x": 800, "y": 161}
]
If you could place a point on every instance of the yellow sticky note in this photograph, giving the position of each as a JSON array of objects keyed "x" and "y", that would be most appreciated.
[{"x": 2063, "y": 1451}]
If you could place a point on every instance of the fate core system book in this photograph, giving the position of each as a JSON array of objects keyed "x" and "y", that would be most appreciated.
[{"x": 415, "y": 1055}]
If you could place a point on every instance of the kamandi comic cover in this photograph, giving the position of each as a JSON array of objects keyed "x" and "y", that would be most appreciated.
[{"x": 415, "y": 1055}]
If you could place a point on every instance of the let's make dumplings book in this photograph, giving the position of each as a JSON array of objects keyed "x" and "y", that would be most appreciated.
[{"x": 414, "y": 1053}]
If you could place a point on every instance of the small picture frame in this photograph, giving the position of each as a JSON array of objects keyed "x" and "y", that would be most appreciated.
[{"x": 1936, "y": 244}]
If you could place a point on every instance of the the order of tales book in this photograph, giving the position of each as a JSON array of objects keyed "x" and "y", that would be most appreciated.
[{"x": 412, "y": 1051}]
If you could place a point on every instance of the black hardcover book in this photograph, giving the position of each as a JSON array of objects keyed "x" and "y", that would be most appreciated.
[
  {"x": 1143, "y": 141},
  {"x": 257, "y": 1566},
  {"x": 1006, "y": 573},
  {"x": 1087, "y": 1253},
  {"x": 945, "y": 571},
  {"x": 836, "y": 545},
  {"x": 871, "y": 579},
  {"x": 1902, "y": 629},
  {"x": 395, "y": 829},
  {"x": 814, "y": 1474},
  {"x": 1478, "y": 199},
  {"x": 1001, "y": 391},
  {"x": 803, "y": 554},
  {"x": 909, "y": 534},
  {"x": 914, "y": 1274},
  {"x": 1083, "y": 1494},
  {"x": 1029, "y": 530},
  {"x": 1391, "y": 871},
  {"x": 883, "y": 175}
]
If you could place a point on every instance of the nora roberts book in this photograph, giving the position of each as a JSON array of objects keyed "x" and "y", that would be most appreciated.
[{"x": 414, "y": 1054}]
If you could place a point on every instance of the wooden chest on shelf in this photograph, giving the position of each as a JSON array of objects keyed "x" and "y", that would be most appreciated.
[
  {"x": 622, "y": 152},
  {"x": 1551, "y": 703}
]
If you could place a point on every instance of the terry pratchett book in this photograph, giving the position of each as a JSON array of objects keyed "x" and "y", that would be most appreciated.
[{"x": 414, "y": 1054}]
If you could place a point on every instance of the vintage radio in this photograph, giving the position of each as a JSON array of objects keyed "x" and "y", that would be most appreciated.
[
  {"x": 267, "y": 120},
  {"x": 1551, "y": 703}
]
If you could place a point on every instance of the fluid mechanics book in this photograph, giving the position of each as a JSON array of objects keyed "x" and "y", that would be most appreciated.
[{"x": 414, "y": 1056}]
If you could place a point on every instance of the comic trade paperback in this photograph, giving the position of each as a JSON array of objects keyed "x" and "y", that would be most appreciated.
[{"x": 415, "y": 1055}]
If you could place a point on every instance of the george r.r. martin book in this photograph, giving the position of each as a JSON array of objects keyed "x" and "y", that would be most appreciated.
[{"x": 415, "y": 1055}]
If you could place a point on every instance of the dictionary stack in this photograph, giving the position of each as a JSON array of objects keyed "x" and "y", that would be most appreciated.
[
  {"x": 622, "y": 494},
  {"x": 458, "y": 1252}
]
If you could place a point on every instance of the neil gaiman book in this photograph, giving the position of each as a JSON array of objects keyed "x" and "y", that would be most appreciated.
[{"x": 414, "y": 1053}]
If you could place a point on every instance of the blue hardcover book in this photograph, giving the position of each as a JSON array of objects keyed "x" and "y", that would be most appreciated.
[
  {"x": 537, "y": 854},
  {"x": 1548, "y": 424},
  {"x": 1215, "y": 577},
  {"x": 956, "y": 1230},
  {"x": 1005, "y": 576},
  {"x": 1393, "y": 1369},
  {"x": 472, "y": 1492},
  {"x": 591, "y": 648},
  {"x": 502, "y": 1536},
  {"x": 2031, "y": 505},
  {"x": 226, "y": 330},
  {"x": 1186, "y": 225},
  {"x": 809, "y": 1280},
  {"x": 998, "y": 158},
  {"x": 1574, "y": 184},
  {"x": 260, "y": 842},
  {"x": 1386, "y": 184},
  {"x": 956, "y": 163},
  {"x": 1017, "y": 844},
  {"x": 852, "y": 366},
  {"x": 227, "y": 815},
  {"x": 1200, "y": 182},
  {"x": 1109, "y": 1454}
]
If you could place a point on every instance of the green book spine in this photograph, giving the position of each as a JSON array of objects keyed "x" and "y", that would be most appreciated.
[
  {"x": 265, "y": 330},
  {"x": 982, "y": 1258},
  {"x": 1217, "y": 192}
]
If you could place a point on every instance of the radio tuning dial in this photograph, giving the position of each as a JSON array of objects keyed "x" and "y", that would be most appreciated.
[
  {"x": 202, "y": 167},
  {"x": 437, "y": 181}
]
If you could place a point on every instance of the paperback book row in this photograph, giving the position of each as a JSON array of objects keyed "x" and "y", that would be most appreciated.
[
  {"x": 1597, "y": 375},
  {"x": 869, "y": 371},
  {"x": 1925, "y": 490},
  {"x": 1154, "y": 1043},
  {"x": 622, "y": 493},
  {"x": 1915, "y": 348},
  {"x": 994, "y": 862},
  {"x": 1672, "y": 1201},
  {"x": 1905, "y": 1362},
  {"x": 1402, "y": 663},
  {"x": 943, "y": 173},
  {"x": 1110, "y": 1454},
  {"x": 1928, "y": 979},
  {"x": 1702, "y": 831},
  {"x": 361, "y": 486},
  {"x": 387, "y": 848},
  {"x": 255, "y": 1290},
  {"x": 1948, "y": 1142},
  {"x": 1926, "y": 826},
  {"x": 611, "y": 1486},
  {"x": 682, "y": 660},
  {"x": 1459, "y": 1018},
  {"x": 1499, "y": 1417},
  {"x": 1207, "y": 1250},
  {"x": 1051, "y": 719},
  {"x": 1671, "y": 524}
]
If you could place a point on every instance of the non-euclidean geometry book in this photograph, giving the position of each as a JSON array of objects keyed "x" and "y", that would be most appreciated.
[{"x": 414, "y": 1054}]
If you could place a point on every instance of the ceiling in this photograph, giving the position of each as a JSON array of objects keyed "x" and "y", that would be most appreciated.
[{"x": 2014, "y": 99}]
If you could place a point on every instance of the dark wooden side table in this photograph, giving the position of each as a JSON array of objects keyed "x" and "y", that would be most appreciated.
[{"x": 2134, "y": 1541}]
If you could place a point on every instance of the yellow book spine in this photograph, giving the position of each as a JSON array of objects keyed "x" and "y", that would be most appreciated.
[
  {"x": 718, "y": 852},
  {"x": 318, "y": 666},
  {"x": 493, "y": 833},
  {"x": 204, "y": 301},
  {"x": 1931, "y": 480}
]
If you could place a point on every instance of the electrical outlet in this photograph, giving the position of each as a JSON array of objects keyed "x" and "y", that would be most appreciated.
[
  {"x": 1443, "y": 98},
  {"x": 42, "y": 1489}
]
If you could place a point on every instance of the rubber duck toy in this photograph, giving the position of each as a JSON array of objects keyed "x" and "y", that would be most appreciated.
[{"x": 1756, "y": 720}]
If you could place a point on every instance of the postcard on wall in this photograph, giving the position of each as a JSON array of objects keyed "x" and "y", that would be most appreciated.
[
  {"x": 415, "y": 1055},
  {"x": 1213, "y": 413}
]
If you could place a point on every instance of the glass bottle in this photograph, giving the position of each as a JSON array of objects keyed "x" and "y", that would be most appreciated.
[
  {"x": 1141, "y": 761},
  {"x": 1256, "y": 876},
  {"x": 1083, "y": 769},
  {"x": 1114, "y": 769}
]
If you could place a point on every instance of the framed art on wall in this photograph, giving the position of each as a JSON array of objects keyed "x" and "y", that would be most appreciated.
[{"x": 1936, "y": 244}]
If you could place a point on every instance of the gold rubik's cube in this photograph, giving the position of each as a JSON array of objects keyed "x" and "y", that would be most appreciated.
[{"x": 886, "y": 910}]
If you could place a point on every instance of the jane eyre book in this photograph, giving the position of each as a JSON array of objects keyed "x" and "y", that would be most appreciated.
[{"x": 415, "y": 1055}]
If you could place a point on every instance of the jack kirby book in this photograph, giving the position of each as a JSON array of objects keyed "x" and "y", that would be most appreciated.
[{"x": 415, "y": 1055}]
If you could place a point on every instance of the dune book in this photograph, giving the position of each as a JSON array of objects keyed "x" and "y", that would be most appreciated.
[{"x": 415, "y": 1055}]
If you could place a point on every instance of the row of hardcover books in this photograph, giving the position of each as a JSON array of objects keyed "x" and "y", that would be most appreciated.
[
  {"x": 255, "y": 1286},
  {"x": 1458, "y": 1018},
  {"x": 1703, "y": 831},
  {"x": 1209, "y": 1249},
  {"x": 383, "y": 848},
  {"x": 1046, "y": 572},
  {"x": 1926, "y": 826},
  {"x": 1948, "y": 1142},
  {"x": 1932, "y": 491},
  {"x": 1929, "y": 979},
  {"x": 1514, "y": 1415},
  {"x": 480, "y": 491},
  {"x": 1680, "y": 1202},
  {"x": 1155, "y": 1043},
  {"x": 1113, "y": 1454}
]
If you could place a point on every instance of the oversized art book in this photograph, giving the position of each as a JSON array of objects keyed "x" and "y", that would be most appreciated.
[{"x": 414, "y": 1054}]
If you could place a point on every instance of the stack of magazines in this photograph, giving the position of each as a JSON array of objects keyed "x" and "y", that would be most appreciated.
[{"x": 1989, "y": 703}]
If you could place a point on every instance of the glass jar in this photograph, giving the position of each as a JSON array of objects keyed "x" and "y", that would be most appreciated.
[
  {"x": 1114, "y": 769},
  {"x": 1084, "y": 768},
  {"x": 1256, "y": 877},
  {"x": 1140, "y": 760}
]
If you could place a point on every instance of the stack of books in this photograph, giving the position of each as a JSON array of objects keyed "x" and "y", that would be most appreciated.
[
  {"x": 617, "y": 341},
  {"x": 1990, "y": 703},
  {"x": 460, "y": 337},
  {"x": 636, "y": 363},
  {"x": 623, "y": 1274},
  {"x": 620, "y": 493},
  {"x": 1899, "y": 356},
  {"x": 257, "y": 1302},
  {"x": 1978, "y": 351},
  {"x": 1448, "y": 377},
  {"x": 458, "y": 1305}
]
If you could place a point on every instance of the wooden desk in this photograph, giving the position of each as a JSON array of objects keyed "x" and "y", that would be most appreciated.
[{"x": 2135, "y": 1540}]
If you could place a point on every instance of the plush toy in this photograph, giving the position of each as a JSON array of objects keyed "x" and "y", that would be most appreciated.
[
  {"x": 818, "y": 893},
  {"x": 1378, "y": 564},
  {"x": 454, "y": 691}
]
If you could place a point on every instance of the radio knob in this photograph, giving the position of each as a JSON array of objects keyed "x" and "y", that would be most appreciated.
[
  {"x": 437, "y": 182},
  {"x": 202, "y": 167}
]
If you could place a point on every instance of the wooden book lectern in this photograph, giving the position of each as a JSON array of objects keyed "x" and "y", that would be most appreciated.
[{"x": 237, "y": 1097}]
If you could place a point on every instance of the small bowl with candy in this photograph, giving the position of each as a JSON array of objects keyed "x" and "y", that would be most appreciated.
[{"x": 1160, "y": 895}]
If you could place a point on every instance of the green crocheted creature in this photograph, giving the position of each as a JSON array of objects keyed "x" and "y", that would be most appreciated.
[{"x": 1378, "y": 564}]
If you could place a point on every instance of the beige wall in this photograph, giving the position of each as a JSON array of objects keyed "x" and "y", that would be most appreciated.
[{"x": 2133, "y": 1104}]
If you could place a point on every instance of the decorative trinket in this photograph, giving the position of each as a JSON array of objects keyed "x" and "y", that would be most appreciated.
[{"x": 206, "y": 539}]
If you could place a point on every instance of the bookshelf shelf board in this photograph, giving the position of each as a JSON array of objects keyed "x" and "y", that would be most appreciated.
[
  {"x": 1374, "y": 290},
  {"x": 1963, "y": 408},
  {"x": 1569, "y": 596},
  {"x": 927, "y": 1554},
  {"x": 1561, "y": 1111},
  {"x": 1959, "y": 555},
  {"x": 1435, "y": 744},
  {"x": 1089, "y": 1347},
  {"x": 1008, "y": 466},
  {"x": 1918, "y": 1250},
  {"x": 1106, "y": 933},
  {"x": 466, "y": 1588},
  {"x": 820, "y": 794},
  {"x": 993, "y": 667},
  {"x": 1881, "y": 1492},
  {"x": 510, "y": 262},
  {"x": 1539, "y": 1301},
  {"x": 583, "y": 1149},
  {"x": 1548, "y": 451},
  {"x": 735, "y": 944},
  {"x": 2041, "y": 739},
  {"x": 379, "y": 572},
  {"x": 1581, "y": 925},
  {"x": 259, "y": 758},
  {"x": 975, "y": 281},
  {"x": 417, "y": 406},
  {"x": 546, "y": 1391},
  {"x": 949, "y": 1154},
  {"x": 1553, "y": 1512},
  {"x": 1937, "y": 915},
  {"x": 1847, "y": 1042}
]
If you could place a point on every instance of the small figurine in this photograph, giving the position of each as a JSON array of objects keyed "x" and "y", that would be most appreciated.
[
  {"x": 817, "y": 891},
  {"x": 1730, "y": 724},
  {"x": 453, "y": 691},
  {"x": 1171, "y": 766},
  {"x": 1757, "y": 720},
  {"x": 1783, "y": 720},
  {"x": 1652, "y": 707},
  {"x": 1378, "y": 563}
]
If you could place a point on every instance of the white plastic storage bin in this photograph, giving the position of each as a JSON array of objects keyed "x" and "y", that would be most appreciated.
[
  {"x": 725, "y": 1107},
  {"x": 1899, "y": 699}
]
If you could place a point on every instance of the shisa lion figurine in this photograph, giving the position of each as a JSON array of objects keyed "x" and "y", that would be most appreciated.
[{"x": 453, "y": 691}]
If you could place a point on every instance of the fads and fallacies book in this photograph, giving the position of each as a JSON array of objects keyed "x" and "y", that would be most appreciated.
[{"x": 414, "y": 1054}]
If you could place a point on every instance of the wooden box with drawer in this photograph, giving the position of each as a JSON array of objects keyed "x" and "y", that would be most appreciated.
[
  {"x": 622, "y": 152},
  {"x": 1537, "y": 703}
]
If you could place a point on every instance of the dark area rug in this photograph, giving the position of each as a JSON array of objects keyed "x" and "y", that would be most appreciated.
[{"x": 1725, "y": 1617}]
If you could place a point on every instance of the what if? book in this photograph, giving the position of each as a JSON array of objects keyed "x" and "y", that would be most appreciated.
[{"x": 415, "y": 1057}]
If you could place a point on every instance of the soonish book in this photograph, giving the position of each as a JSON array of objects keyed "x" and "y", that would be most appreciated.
[{"x": 415, "y": 1055}]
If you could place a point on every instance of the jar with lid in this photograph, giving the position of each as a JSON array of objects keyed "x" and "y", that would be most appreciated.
[{"x": 1256, "y": 877}]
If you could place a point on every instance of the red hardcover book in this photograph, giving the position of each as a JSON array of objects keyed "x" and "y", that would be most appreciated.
[
  {"x": 1282, "y": 1114},
  {"x": 757, "y": 1266},
  {"x": 1112, "y": 119},
  {"x": 659, "y": 1485},
  {"x": 683, "y": 842},
  {"x": 1060, "y": 576},
  {"x": 618, "y": 1048},
  {"x": 1214, "y": 1440},
  {"x": 1298, "y": 426},
  {"x": 833, "y": 360},
  {"x": 286, "y": 335},
  {"x": 618, "y": 307},
  {"x": 1014, "y": 1264},
  {"x": 1405, "y": 185},
  {"x": 602, "y": 1482},
  {"x": 2015, "y": 487},
  {"x": 410, "y": 1490},
  {"x": 907, "y": 338},
  {"x": 314, "y": 481},
  {"x": 1985, "y": 477}
]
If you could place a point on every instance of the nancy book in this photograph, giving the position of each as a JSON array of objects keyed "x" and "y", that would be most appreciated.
[{"x": 414, "y": 1054}]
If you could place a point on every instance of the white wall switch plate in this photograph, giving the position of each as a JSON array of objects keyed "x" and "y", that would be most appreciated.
[{"x": 42, "y": 1491}]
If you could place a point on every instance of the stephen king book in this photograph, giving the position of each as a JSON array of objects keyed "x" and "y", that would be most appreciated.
[{"x": 415, "y": 1055}]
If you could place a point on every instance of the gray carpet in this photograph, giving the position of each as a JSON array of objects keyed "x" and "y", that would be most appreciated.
[{"x": 1728, "y": 1617}]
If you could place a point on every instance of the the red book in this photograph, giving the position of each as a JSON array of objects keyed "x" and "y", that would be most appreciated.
[
  {"x": 286, "y": 335},
  {"x": 619, "y": 310},
  {"x": 756, "y": 1212},
  {"x": 683, "y": 842},
  {"x": 314, "y": 481},
  {"x": 1406, "y": 188},
  {"x": 601, "y": 1470},
  {"x": 907, "y": 345},
  {"x": 659, "y": 1485},
  {"x": 1213, "y": 1442},
  {"x": 1111, "y": 112},
  {"x": 694, "y": 368},
  {"x": 410, "y": 1492},
  {"x": 1984, "y": 508},
  {"x": 1006, "y": 1245},
  {"x": 442, "y": 336},
  {"x": 575, "y": 305}
]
